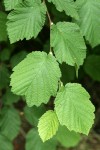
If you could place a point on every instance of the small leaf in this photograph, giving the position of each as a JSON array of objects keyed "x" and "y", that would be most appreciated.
[
  {"x": 3, "y": 32},
  {"x": 68, "y": 43},
  {"x": 66, "y": 5},
  {"x": 89, "y": 22},
  {"x": 5, "y": 144},
  {"x": 23, "y": 21},
  {"x": 92, "y": 67},
  {"x": 48, "y": 125},
  {"x": 33, "y": 141},
  {"x": 67, "y": 138},
  {"x": 36, "y": 77},
  {"x": 74, "y": 109}
]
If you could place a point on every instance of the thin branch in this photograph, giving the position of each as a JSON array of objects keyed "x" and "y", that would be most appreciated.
[{"x": 50, "y": 21}]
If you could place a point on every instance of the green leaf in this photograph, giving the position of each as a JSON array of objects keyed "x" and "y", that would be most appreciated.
[
  {"x": 74, "y": 109},
  {"x": 89, "y": 13},
  {"x": 36, "y": 77},
  {"x": 17, "y": 58},
  {"x": 5, "y": 144},
  {"x": 23, "y": 21},
  {"x": 10, "y": 123},
  {"x": 33, "y": 114},
  {"x": 48, "y": 125},
  {"x": 3, "y": 33},
  {"x": 10, "y": 4},
  {"x": 66, "y": 5},
  {"x": 68, "y": 43},
  {"x": 9, "y": 98},
  {"x": 4, "y": 76},
  {"x": 33, "y": 1},
  {"x": 67, "y": 138},
  {"x": 33, "y": 141},
  {"x": 92, "y": 67}
]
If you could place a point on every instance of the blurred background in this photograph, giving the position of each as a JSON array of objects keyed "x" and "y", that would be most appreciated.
[{"x": 18, "y": 123}]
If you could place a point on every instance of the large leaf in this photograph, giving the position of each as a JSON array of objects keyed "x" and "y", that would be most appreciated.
[
  {"x": 89, "y": 13},
  {"x": 10, "y": 4},
  {"x": 66, "y": 5},
  {"x": 10, "y": 123},
  {"x": 3, "y": 33},
  {"x": 68, "y": 43},
  {"x": 67, "y": 138},
  {"x": 5, "y": 144},
  {"x": 74, "y": 109},
  {"x": 23, "y": 21},
  {"x": 48, "y": 125},
  {"x": 36, "y": 77},
  {"x": 33, "y": 141},
  {"x": 92, "y": 67}
]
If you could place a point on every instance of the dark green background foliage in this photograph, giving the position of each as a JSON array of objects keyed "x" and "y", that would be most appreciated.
[{"x": 18, "y": 122}]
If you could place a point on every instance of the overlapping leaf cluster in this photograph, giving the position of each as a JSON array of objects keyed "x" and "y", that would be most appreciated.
[{"x": 38, "y": 76}]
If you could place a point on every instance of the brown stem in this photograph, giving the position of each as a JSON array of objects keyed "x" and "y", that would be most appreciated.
[{"x": 50, "y": 21}]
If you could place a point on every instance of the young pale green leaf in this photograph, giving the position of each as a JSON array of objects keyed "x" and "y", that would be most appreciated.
[
  {"x": 23, "y": 21},
  {"x": 92, "y": 67},
  {"x": 48, "y": 125},
  {"x": 36, "y": 77},
  {"x": 67, "y": 138},
  {"x": 68, "y": 43},
  {"x": 10, "y": 4},
  {"x": 74, "y": 109},
  {"x": 89, "y": 13},
  {"x": 5, "y": 144},
  {"x": 33, "y": 141},
  {"x": 3, "y": 33},
  {"x": 11, "y": 122},
  {"x": 66, "y": 5}
]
